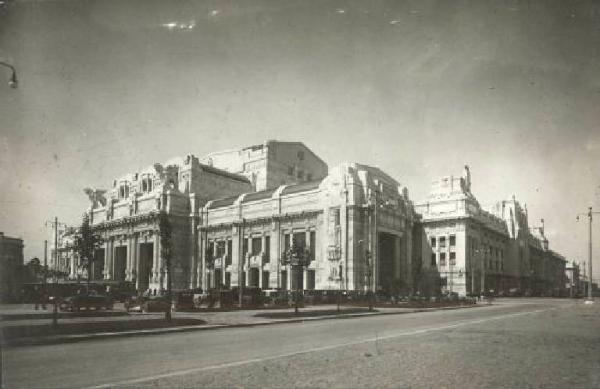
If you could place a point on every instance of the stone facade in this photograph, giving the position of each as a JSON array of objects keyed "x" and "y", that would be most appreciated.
[
  {"x": 271, "y": 164},
  {"x": 474, "y": 250},
  {"x": 356, "y": 212},
  {"x": 235, "y": 213},
  {"x": 127, "y": 217}
]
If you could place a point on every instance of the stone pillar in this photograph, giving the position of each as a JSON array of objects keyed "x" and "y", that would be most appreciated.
[
  {"x": 135, "y": 257},
  {"x": 224, "y": 264},
  {"x": 275, "y": 254},
  {"x": 260, "y": 269},
  {"x": 137, "y": 261},
  {"x": 305, "y": 269},
  {"x": 108, "y": 263},
  {"x": 129, "y": 267},
  {"x": 399, "y": 258},
  {"x": 236, "y": 253},
  {"x": 156, "y": 258},
  {"x": 73, "y": 265}
]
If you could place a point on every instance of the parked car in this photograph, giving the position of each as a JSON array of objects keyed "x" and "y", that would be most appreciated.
[
  {"x": 87, "y": 301},
  {"x": 147, "y": 304}
]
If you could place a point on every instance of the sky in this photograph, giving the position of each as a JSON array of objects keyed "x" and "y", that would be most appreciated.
[{"x": 417, "y": 88}]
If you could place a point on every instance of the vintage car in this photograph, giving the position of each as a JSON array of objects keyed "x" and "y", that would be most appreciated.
[
  {"x": 85, "y": 301},
  {"x": 147, "y": 304}
]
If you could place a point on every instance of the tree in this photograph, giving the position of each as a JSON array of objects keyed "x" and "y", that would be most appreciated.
[
  {"x": 298, "y": 257},
  {"x": 86, "y": 244},
  {"x": 164, "y": 226}
]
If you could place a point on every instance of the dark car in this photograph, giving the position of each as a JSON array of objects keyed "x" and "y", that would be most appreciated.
[
  {"x": 79, "y": 302},
  {"x": 147, "y": 304}
]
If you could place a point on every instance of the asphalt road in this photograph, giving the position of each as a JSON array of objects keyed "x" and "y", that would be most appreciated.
[{"x": 514, "y": 344}]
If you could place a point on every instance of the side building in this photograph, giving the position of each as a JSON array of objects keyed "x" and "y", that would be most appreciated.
[{"x": 474, "y": 251}]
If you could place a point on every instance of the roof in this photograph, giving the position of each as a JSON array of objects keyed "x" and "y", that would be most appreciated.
[
  {"x": 302, "y": 187},
  {"x": 264, "y": 194},
  {"x": 224, "y": 173},
  {"x": 224, "y": 202}
]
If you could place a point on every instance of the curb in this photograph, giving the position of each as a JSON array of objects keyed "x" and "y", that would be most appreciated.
[{"x": 59, "y": 339}]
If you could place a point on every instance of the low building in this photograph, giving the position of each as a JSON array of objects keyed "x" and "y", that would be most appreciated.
[{"x": 11, "y": 264}]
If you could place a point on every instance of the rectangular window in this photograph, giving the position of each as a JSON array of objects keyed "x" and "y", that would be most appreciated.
[
  {"x": 453, "y": 258},
  {"x": 442, "y": 242},
  {"x": 267, "y": 249},
  {"x": 308, "y": 177},
  {"x": 433, "y": 259},
  {"x": 286, "y": 242},
  {"x": 301, "y": 155},
  {"x": 300, "y": 239},
  {"x": 229, "y": 250},
  {"x": 245, "y": 247},
  {"x": 310, "y": 281},
  {"x": 265, "y": 280},
  {"x": 210, "y": 250},
  {"x": 256, "y": 246},
  {"x": 442, "y": 259},
  {"x": 220, "y": 249},
  {"x": 452, "y": 240},
  {"x": 228, "y": 279},
  {"x": 433, "y": 241},
  {"x": 290, "y": 170},
  {"x": 313, "y": 247},
  {"x": 300, "y": 174}
]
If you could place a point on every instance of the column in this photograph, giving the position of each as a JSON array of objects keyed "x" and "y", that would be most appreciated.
[
  {"x": 135, "y": 257},
  {"x": 129, "y": 267},
  {"x": 155, "y": 258},
  {"x": 275, "y": 254},
  {"x": 227, "y": 254},
  {"x": 235, "y": 253},
  {"x": 305, "y": 269},
  {"x": 138, "y": 264},
  {"x": 72, "y": 272},
  {"x": 260, "y": 269},
  {"x": 108, "y": 263},
  {"x": 213, "y": 279},
  {"x": 201, "y": 276}
]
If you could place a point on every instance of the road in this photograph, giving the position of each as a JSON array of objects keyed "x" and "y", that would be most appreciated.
[{"x": 515, "y": 343}]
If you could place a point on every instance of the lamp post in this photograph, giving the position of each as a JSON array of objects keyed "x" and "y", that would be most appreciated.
[
  {"x": 589, "y": 214},
  {"x": 12, "y": 82},
  {"x": 298, "y": 257}
]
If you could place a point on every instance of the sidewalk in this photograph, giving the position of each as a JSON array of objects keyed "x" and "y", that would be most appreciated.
[{"x": 27, "y": 318}]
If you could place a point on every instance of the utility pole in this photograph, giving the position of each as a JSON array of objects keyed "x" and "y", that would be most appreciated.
[
  {"x": 589, "y": 214},
  {"x": 45, "y": 262},
  {"x": 590, "y": 296}
]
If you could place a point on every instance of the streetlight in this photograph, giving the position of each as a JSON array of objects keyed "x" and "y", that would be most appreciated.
[
  {"x": 12, "y": 82},
  {"x": 589, "y": 214},
  {"x": 298, "y": 257}
]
